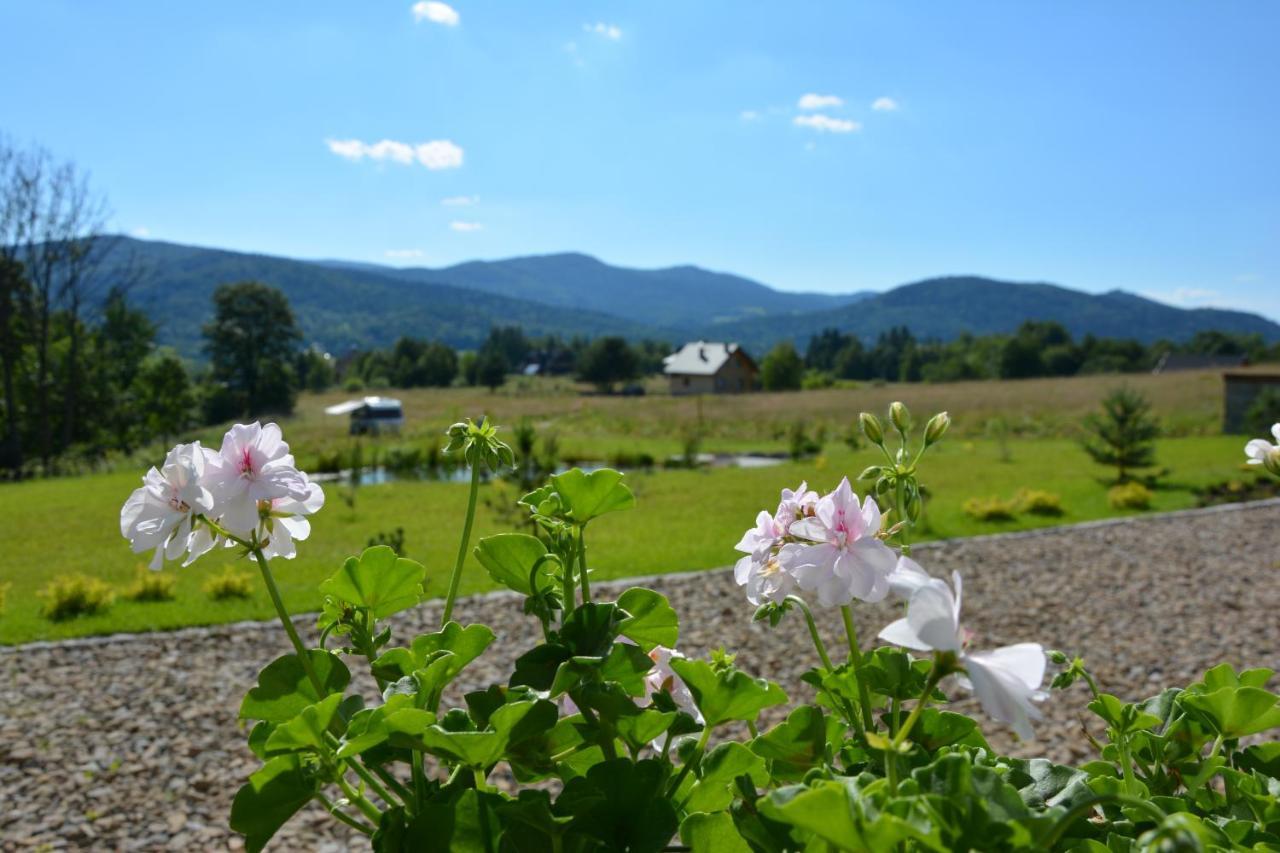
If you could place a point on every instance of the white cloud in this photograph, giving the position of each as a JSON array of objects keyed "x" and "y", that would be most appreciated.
[
  {"x": 884, "y": 105},
  {"x": 1248, "y": 277},
  {"x": 460, "y": 200},
  {"x": 404, "y": 254},
  {"x": 465, "y": 226},
  {"x": 827, "y": 124},
  {"x": 600, "y": 28},
  {"x": 1184, "y": 296},
  {"x": 140, "y": 232},
  {"x": 817, "y": 102},
  {"x": 749, "y": 115},
  {"x": 436, "y": 12},
  {"x": 436, "y": 154}
]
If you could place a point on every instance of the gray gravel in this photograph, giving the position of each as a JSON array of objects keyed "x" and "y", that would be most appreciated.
[{"x": 112, "y": 743}]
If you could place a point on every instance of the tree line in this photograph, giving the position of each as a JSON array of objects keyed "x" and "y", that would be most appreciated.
[{"x": 1036, "y": 349}]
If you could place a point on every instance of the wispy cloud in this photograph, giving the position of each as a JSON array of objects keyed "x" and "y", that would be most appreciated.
[
  {"x": 460, "y": 200},
  {"x": 457, "y": 225},
  {"x": 818, "y": 102},
  {"x": 404, "y": 254},
  {"x": 1184, "y": 296},
  {"x": 826, "y": 123},
  {"x": 749, "y": 115},
  {"x": 140, "y": 232},
  {"x": 436, "y": 154},
  {"x": 436, "y": 12},
  {"x": 884, "y": 105},
  {"x": 610, "y": 31}
]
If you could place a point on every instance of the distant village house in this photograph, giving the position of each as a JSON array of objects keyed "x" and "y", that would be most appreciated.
[{"x": 703, "y": 367}]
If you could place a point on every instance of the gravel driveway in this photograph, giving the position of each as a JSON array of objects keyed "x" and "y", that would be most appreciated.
[{"x": 97, "y": 751}]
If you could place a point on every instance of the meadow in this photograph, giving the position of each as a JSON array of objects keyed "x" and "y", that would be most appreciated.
[{"x": 686, "y": 520}]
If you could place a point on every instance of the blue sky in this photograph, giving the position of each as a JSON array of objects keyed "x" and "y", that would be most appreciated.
[{"x": 1095, "y": 145}]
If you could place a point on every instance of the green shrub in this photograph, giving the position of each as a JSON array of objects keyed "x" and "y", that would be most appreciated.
[
  {"x": 990, "y": 508},
  {"x": 1038, "y": 502},
  {"x": 229, "y": 583},
  {"x": 69, "y": 596},
  {"x": 1131, "y": 495},
  {"x": 152, "y": 586}
]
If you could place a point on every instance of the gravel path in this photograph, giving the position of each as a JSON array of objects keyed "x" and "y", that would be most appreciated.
[{"x": 97, "y": 751}]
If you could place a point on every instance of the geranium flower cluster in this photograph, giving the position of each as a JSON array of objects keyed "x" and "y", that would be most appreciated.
[
  {"x": 828, "y": 545},
  {"x": 249, "y": 493},
  {"x": 832, "y": 546}
]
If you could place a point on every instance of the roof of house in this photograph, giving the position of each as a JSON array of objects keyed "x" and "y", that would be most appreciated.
[
  {"x": 700, "y": 358},
  {"x": 379, "y": 403}
]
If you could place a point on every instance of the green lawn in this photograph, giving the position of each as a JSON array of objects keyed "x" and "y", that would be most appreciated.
[{"x": 685, "y": 520}]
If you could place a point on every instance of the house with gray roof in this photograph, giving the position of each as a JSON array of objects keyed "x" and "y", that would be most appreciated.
[{"x": 704, "y": 367}]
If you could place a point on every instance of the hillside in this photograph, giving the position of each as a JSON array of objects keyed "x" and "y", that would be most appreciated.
[
  {"x": 682, "y": 297},
  {"x": 337, "y": 308},
  {"x": 944, "y": 308}
]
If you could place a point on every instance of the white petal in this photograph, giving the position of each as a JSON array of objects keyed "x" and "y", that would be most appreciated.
[
  {"x": 1257, "y": 451},
  {"x": 1000, "y": 681},
  {"x": 932, "y": 615},
  {"x": 907, "y": 576},
  {"x": 1275, "y": 432},
  {"x": 900, "y": 633}
]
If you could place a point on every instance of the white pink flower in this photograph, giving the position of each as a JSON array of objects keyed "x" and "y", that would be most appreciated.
[
  {"x": 846, "y": 560},
  {"x": 1259, "y": 449},
  {"x": 160, "y": 513},
  {"x": 796, "y": 504},
  {"x": 663, "y": 677},
  {"x": 1006, "y": 681},
  {"x": 906, "y": 578},
  {"x": 256, "y": 466},
  {"x": 287, "y": 522}
]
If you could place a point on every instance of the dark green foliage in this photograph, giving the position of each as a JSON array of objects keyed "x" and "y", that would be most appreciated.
[
  {"x": 1263, "y": 412},
  {"x": 1123, "y": 434},
  {"x": 251, "y": 343},
  {"x": 608, "y": 361},
  {"x": 492, "y": 368},
  {"x": 782, "y": 368}
]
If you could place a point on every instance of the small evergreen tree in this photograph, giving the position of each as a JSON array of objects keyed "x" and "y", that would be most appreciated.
[
  {"x": 782, "y": 369},
  {"x": 606, "y": 361},
  {"x": 1123, "y": 433}
]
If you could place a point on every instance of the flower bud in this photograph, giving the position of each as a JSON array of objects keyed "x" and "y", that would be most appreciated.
[
  {"x": 1056, "y": 657},
  {"x": 871, "y": 428},
  {"x": 901, "y": 417},
  {"x": 914, "y": 506},
  {"x": 936, "y": 428},
  {"x": 870, "y": 473}
]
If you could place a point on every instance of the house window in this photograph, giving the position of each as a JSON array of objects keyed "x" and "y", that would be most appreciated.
[{"x": 685, "y": 380}]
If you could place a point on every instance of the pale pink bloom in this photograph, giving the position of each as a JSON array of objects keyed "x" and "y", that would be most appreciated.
[
  {"x": 1258, "y": 449},
  {"x": 767, "y": 578},
  {"x": 161, "y": 512},
  {"x": 795, "y": 505},
  {"x": 663, "y": 677},
  {"x": 1006, "y": 680},
  {"x": 846, "y": 561},
  {"x": 256, "y": 466},
  {"x": 759, "y": 540},
  {"x": 288, "y": 522},
  {"x": 906, "y": 578}
]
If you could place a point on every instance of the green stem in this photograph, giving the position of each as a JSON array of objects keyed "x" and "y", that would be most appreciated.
[
  {"x": 901, "y": 506},
  {"x": 357, "y": 799},
  {"x": 582, "y": 564},
  {"x": 850, "y": 714},
  {"x": 332, "y": 808},
  {"x": 1126, "y": 766},
  {"x": 935, "y": 675},
  {"x": 1081, "y": 809},
  {"x": 456, "y": 578},
  {"x": 482, "y": 783},
  {"x": 287, "y": 622},
  {"x": 695, "y": 758},
  {"x": 405, "y": 795},
  {"x": 363, "y": 772},
  {"x": 855, "y": 657}
]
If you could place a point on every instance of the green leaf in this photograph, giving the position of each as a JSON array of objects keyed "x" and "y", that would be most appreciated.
[
  {"x": 307, "y": 730},
  {"x": 796, "y": 745},
  {"x": 272, "y": 795},
  {"x": 378, "y": 580},
  {"x": 587, "y": 496},
  {"x": 1263, "y": 757},
  {"x": 833, "y": 811},
  {"x": 284, "y": 689},
  {"x": 621, "y": 805},
  {"x": 644, "y": 728},
  {"x": 463, "y": 645},
  {"x": 650, "y": 619},
  {"x": 590, "y": 629},
  {"x": 509, "y": 558},
  {"x": 935, "y": 729},
  {"x": 397, "y": 721},
  {"x": 712, "y": 833},
  {"x": 509, "y": 724},
  {"x": 727, "y": 695},
  {"x": 537, "y": 667},
  {"x": 1122, "y": 717},
  {"x": 468, "y": 823},
  {"x": 1236, "y": 711},
  {"x": 720, "y": 768}
]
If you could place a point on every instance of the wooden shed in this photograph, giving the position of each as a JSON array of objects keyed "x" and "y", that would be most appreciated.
[{"x": 1240, "y": 390}]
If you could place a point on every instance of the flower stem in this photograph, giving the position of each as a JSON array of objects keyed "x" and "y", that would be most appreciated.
[
  {"x": 935, "y": 675},
  {"x": 695, "y": 758},
  {"x": 367, "y": 808},
  {"x": 456, "y": 578},
  {"x": 582, "y": 564},
  {"x": 850, "y": 714},
  {"x": 1083, "y": 808},
  {"x": 332, "y": 808},
  {"x": 855, "y": 657},
  {"x": 287, "y": 622}
]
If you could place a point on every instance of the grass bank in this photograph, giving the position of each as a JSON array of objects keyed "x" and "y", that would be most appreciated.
[{"x": 684, "y": 521}]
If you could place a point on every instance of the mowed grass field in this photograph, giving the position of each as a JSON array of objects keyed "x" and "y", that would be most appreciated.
[{"x": 684, "y": 521}]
